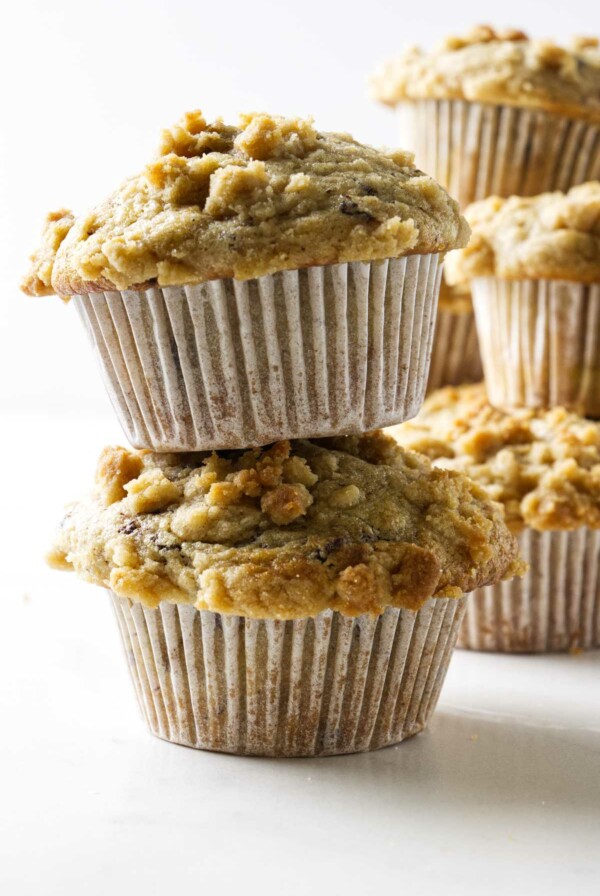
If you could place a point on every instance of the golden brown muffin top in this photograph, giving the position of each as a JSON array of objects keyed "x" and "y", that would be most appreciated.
[
  {"x": 543, "y": 466},
  {"x": 354, "y": 524},
  {"x": 553, "y": 236},
  {"x": 38, "y": 280},
  {"x": 270, "y": 195},
  {"x": 503, "y": 67}
]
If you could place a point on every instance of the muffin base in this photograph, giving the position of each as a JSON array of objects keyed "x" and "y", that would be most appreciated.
[
  {"x": 555, "y": 607},
  {"x": 228, "y": 364},
  {"x": 311, "y": 687},
  {"x": 477, "y": 150},
  {"x": 455, "y": 357},
  {"x": 540, "y": 343}
]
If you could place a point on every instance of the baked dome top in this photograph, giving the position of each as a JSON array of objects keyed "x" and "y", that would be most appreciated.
[
  {"x": 543, "y": 466},
  {"x": 502, "y": 67},
  {"x": 269, "y": 195},
  {"x": 552, "y": 236},
  {"x": 353, "y": 524}
]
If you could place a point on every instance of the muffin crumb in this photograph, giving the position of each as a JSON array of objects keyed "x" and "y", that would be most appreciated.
[
  {"x": 269, "y": 195},
  {"x": 350, "y": 524},
  {"x": 542, "y": 466},
  {"x": 552, "y": 236},
  {"x": 38, "y": 280},
  {"x": 500, "y": 66}
]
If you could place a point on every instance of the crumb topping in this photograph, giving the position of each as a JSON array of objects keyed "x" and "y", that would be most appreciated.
[
  {"x": 553, "y": 236},
  {"x": 500, "y": 66},
  {"x": 38, "y": 281},
  {"x": 272, "y": 194},
  {"x": 543, "y": 466},
  {"x": 354, "y": 524}
]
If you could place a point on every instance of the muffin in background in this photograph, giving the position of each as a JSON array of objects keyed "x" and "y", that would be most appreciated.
[
  {"x": 455, "y": 357},
  {"x": 544, "y": 469},
  {"x": 258, "y": 282},
  {"x": 297, "y": 600},
  {"x": 496, "y": 113},
  {"x": 533, "y": 266}
]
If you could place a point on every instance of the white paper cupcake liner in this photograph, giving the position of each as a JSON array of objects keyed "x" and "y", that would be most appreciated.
[
  {"x": 455, "y": 357},
  {"x": 227, "y": 364},
  {"x": 540, "y": 343},
  {"x": 309, "y": 687},
  {"x": 477, "y": 150},
  {"x": 554, "y": 607}
]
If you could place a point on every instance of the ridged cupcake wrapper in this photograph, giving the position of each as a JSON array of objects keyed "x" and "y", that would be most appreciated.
[
  {"x": 227, "y": 364},
  {"x": 455, "y": 357},
  {"x": 309, "y": 687},
  {"x": 477, "y": 149},
  {"x": 540, "y": 343},
  {"x": 554, "y": 607}
]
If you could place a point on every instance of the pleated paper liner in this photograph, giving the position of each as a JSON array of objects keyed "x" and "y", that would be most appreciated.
[
  {"x": 455, "y": 357},
  {"x": 540, "y": 343},
  {"x": 477, "y": 150},
  {"x": 308, "y": 687},
  {"x": 554, "y": 607},
  {"x": 227, "y": 364}
]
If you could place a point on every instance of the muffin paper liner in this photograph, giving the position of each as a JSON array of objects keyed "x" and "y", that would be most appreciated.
[
  {"x": 455, "y": 355},
  {"x": 227, "y": 364},
  {"x": 308, "y": 687},
  {"x": 477, "y": 149},
  {"x": 540, "y": 343},
  {"x": 554, "y": 607}
]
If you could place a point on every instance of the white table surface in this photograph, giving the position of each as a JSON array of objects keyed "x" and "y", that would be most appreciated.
[{"x": 501, "y": 794}]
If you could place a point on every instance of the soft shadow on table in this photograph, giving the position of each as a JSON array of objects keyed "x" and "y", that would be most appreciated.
[{"x": 468, "y": 759}]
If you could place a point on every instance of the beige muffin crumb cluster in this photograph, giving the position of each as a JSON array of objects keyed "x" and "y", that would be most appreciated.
[
  {"x": 38, "y": 280},
  {"x": 353, "y": 524},
  {"x": 543, "y": 466},
  {"x": 550, "y": 236},
  {"x": 500, "y": 67},
  {"x": 270, "y": 195}
]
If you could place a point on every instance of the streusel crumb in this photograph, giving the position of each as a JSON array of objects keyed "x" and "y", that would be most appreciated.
[
  {"x": 352, "y": 524},
  {"x": 543, "y": 466},
  {"x": 270, "y": 195}
]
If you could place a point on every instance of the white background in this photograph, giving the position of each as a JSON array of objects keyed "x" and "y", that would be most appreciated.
[{"x": 503, "y": 793}]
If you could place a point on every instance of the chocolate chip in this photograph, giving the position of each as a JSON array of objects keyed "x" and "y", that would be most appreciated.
[
  {"x": 350, "y": 207},
  {"x": 129, "y": 527}
]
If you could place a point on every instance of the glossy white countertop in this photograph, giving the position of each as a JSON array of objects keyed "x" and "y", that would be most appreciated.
[{"x": 501, "y": 794}]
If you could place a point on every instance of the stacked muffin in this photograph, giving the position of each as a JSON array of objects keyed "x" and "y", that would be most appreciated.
[
  {"x": 534, "y": 268},
  {"x": 533, "y": 265},
  {"x": 494, "y": 113},
  {"x": 253, "y": 290}
]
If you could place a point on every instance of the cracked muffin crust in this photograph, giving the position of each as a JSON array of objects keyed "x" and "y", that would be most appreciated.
[
  {"x": 502, "y": 67},
  {"x": 270, "y": 195},
  {"x": 353, "y": 524},
  {"x": 553, "y": 236},
  {"x": 543, "y": 466}
]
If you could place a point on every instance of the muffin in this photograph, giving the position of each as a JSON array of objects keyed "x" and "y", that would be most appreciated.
[
  {"x": 257, "y": 282},
  {"x": 495, "y": 112},
  {"x": 544, "y": 468},
  {"x": 300, "y": 599},
  {"x": 533, "y": 265},
  {"x": 455, "y": 356}
]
